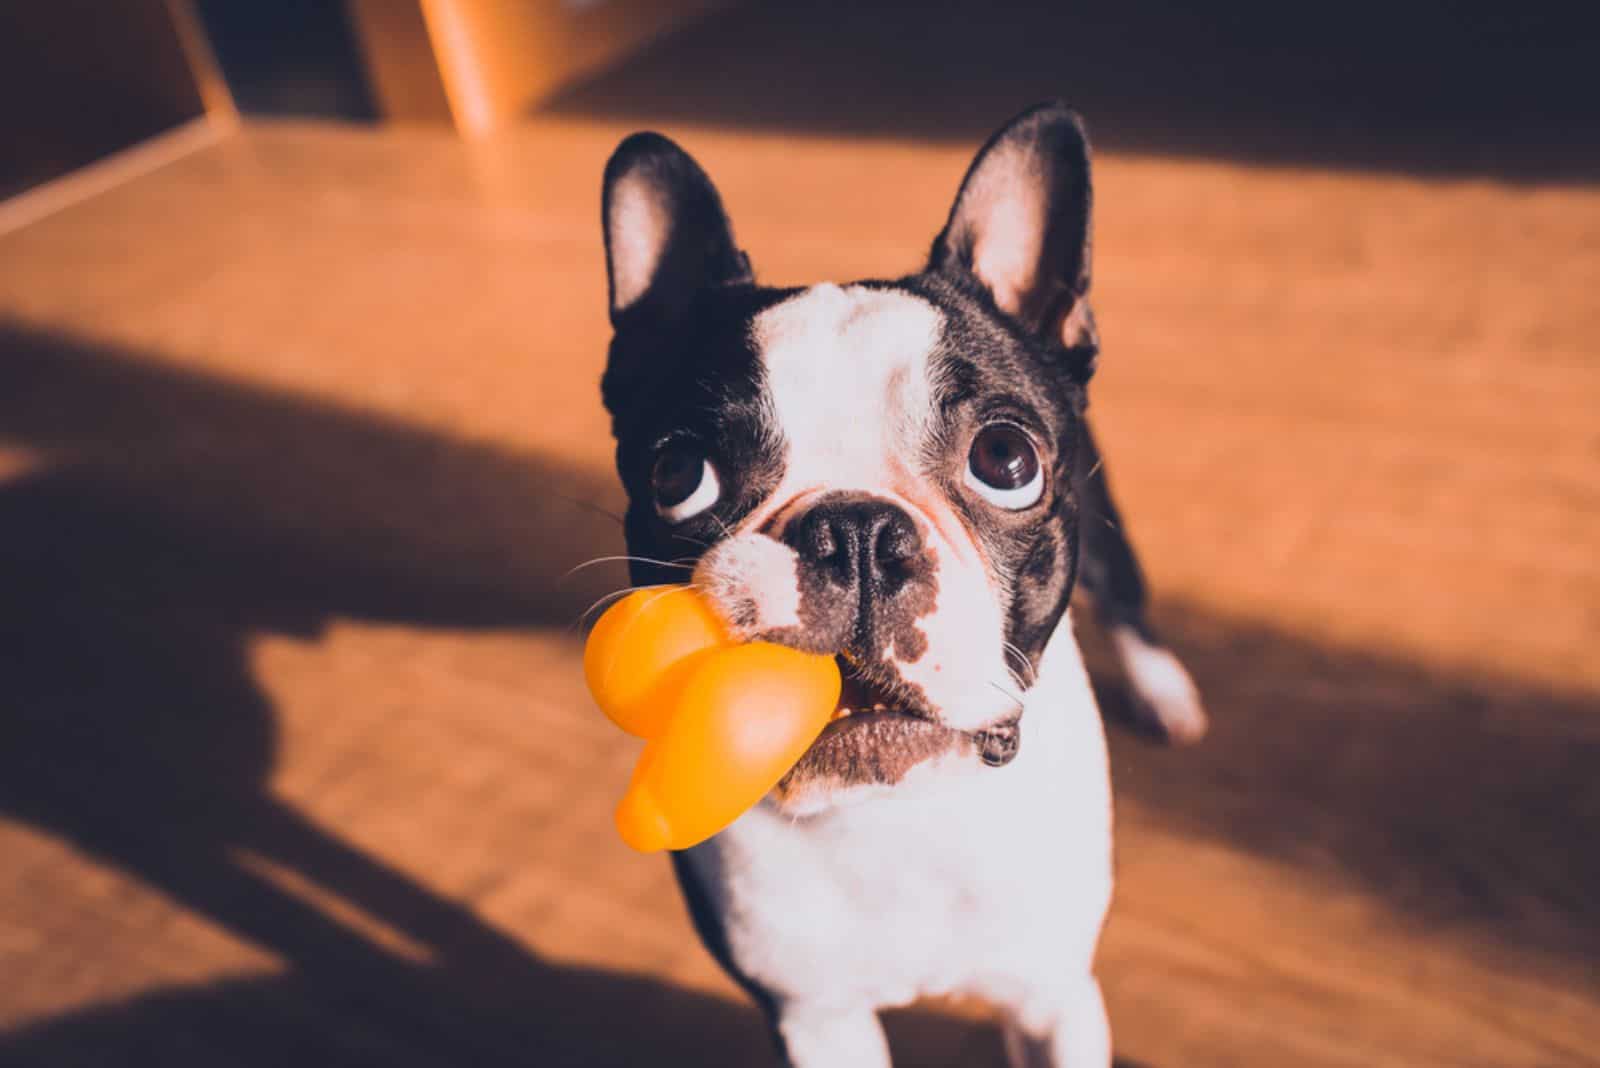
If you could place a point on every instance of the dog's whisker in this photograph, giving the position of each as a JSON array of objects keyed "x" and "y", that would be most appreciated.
[
  {"x": 1024, "y": 673},
  {"x": 626, "y": 559},
  {"x": 726, "y": 532},
  {"x": 595, "y": 508},
  {"x": 614, "y": 595},
  {"x": 1095, "y": 470},
  {"x": 601, "y": 601},
  {"x": 664, "y": 590},
  {"x": 1016, "y": 698}
]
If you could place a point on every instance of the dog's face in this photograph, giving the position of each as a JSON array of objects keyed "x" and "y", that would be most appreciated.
[{"x": 879, "y": 471}]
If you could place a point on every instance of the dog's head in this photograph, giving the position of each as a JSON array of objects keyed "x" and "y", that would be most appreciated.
[{"x": 879, "y": 470}]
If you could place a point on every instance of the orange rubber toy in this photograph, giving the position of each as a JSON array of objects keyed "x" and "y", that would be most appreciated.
[{"x": 723, "y": 721}]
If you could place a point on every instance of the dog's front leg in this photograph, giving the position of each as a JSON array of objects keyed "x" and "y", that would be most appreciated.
[
  {"x": 817, "y": 1037},
  {"x": 1075, "y": 1035}
]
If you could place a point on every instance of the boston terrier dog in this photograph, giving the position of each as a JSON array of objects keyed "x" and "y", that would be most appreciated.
[{"x": 897, "y": 473}]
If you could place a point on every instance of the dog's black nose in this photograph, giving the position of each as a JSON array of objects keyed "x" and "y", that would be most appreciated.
[{"x": 864, "y": 544}]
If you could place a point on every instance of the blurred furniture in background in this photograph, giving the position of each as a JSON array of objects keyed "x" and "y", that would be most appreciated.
[
  {"x": 82, "y": 79},
  {"x": 477, "y": 63}
]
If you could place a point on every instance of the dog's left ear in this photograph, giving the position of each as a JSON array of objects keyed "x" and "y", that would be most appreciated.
[
  {"x": 666, "y": 234},
  {"x": 1020, "y": 228}
]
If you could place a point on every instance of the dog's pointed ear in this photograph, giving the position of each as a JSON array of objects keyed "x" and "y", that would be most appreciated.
[
  {"x": 666, "y": 234},
  {"x": 1020, "y": 228}
]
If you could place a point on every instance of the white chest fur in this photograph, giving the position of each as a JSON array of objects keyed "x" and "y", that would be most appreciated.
[{"x": 963, "y": 879}]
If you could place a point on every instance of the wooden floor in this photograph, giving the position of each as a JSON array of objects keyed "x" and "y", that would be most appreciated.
[{"x": 299, "y": 439}]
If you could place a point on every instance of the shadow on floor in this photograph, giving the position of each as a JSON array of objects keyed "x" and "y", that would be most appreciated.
[
  {"x": 1463, "y": 803},
  {"x": 567, "y": 1017},
  {"x": 1438, "y": 87},
  {"x": 174, "y": 517}
]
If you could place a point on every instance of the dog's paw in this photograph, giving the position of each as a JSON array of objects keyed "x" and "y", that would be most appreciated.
[{"x": 1165, "y": 700}]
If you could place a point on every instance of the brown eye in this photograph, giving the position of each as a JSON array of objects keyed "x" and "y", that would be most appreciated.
[
  {"x": 1003, "y": 466},
  {"x": 684, "y": 483}
]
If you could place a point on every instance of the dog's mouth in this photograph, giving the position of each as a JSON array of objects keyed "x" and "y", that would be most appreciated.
[
  {"x": 880, "y": 730},
  {"x": 876, "y": 693}
]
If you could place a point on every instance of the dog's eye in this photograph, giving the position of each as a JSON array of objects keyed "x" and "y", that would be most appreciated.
[
  {"x": 1004, "y": 468},
  {"x": 684, "y": 483}
]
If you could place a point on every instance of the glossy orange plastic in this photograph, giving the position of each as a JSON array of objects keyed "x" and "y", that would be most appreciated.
[{"x": 724, "y": 721}]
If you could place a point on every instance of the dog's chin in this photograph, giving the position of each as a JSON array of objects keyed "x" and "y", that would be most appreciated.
[{"x": 881, "y": 731}]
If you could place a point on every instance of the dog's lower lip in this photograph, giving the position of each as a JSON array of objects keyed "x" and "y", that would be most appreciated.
[
  {"x": 861, "y": 717},
  {"x": 871, "y": 747}
]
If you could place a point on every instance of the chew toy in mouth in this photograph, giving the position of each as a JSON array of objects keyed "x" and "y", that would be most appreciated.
[{"x": 724, "y": 722}]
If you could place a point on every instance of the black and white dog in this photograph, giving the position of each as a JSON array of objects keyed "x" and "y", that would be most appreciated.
[{"x": 895, "y": 472}]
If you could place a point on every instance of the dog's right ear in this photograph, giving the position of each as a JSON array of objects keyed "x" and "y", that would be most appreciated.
[{"x": 666, "y": 234}]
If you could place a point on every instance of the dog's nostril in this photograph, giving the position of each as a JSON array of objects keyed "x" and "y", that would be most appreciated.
[
  {"x": 821, "y": 542},
  {"x": 898, "y": 540}
]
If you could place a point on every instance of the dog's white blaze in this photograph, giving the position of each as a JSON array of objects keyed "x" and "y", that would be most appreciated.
[
  {"x": 850, "y": 377},
  {"x": 847, "y": 372}
]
